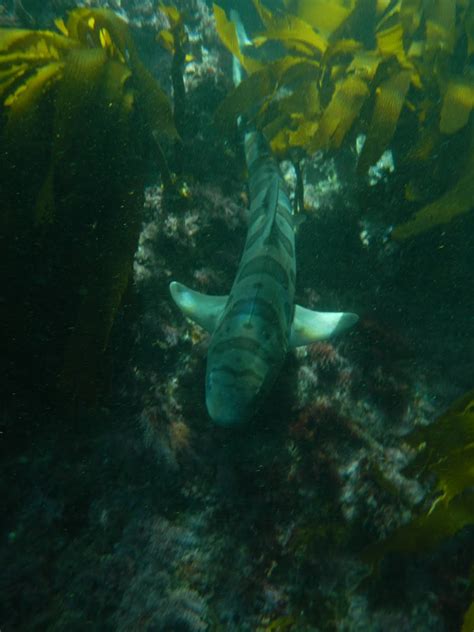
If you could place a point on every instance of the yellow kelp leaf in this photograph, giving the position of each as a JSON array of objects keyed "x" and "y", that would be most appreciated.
[
  {"x": 296, "y": 121},
  {"x": 388, "y": 14},
  {"x": 33, "y": 87},
  {"x": 440, "y": 25},
  {"x": 86, "y": 26},
  {"x": 84, "y": 68},
  {"x": 338, "y": 116},
  {"x": 452, "y": 431},
  {"x": 172, "y": 13},
  {"x": 166, "y": 39},
  {"x": 114, "y": 85},
  {"x": 337, "y": 73},
  {"x": 280, "y": 142},
  {"x": 311, "y": 100},
  {"x": 31, "y": 47},
  {"x": 10, "y": 75},
  {"x": 301, "y": 136},
  {"x": 294, "y": 46},
  {"x": 455, "y": 472},
  {"x": 410, "y": 16},
  {"x": 457, "y": 105},
  {"x": 66, "y": 151},
  {"x": 299, "y": 102},
  {"x": 381, "y": 6},
  {"x": 390, "y": 43},
  {"x": 415, "y": 53},
  {"x": 425, "y": 145},
  {"x": 341, "y": 47},
  {"x": 456, "y": 201},
  {"x": 446, "y": 448},
  {"x": 250, "y": 94},
  {"x": 105, "y": 39},
  {"x": 468, "y": 621},
  {"x": 324, "y": 15},
  {"x": 174, "y": 37},
  {"x": 469, "y": 28},
  {"x": 281, "y": 624},
  {"x": 389, "y": 100},
  {"x": 364, "y": 64},
  {"x": 264, "y": 12},
  {"x": 416, "y": 49},
  {"x": 153, "y": 101},
  {"x": 426, "y": 531},
  {"x": 228, "y": 35},
  {"x": 290, "y": 31},
  {"x": 21, "y": 39},
  {"x": 61, "y": 26},
  {"x": 296, "y": 73}
]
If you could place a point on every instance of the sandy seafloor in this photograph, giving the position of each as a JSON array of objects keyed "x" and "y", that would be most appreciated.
[{"x": 141, "y": 515}]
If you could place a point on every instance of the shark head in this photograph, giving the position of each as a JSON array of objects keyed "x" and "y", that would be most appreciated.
[{"x": 231, "y": 399}]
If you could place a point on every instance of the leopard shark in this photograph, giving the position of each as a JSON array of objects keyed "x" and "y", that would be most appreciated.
[{"x": 253, "y": 327}]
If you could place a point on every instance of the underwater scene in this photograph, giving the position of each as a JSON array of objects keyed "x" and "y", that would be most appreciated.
[{"x": 236, "y": 309}]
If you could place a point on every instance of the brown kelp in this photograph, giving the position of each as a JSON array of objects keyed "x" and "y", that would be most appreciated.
[
  {"x": 174, "y": 40},
  {"x": 79, "y": 117},
  {"x": 445, "y": 450},
  {"x": 389, "y": 70}
]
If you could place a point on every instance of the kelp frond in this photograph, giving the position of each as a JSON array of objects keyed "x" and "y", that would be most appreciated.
[
  {"x": 78, "y": 113},
  {"x": 373, "y": 68},
  {"x": 445, "y": 449},
  {"x": 32, "y": 61}
]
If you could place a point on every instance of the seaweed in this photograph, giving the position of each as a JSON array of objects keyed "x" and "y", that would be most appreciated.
[
  {"x": 79, "y": 116},
  {"x": 468, "y": 622},
  {"x": 444, "y": 450},
  {"x": 391, "y": 71},
  {"x": 174, "y": 39}
]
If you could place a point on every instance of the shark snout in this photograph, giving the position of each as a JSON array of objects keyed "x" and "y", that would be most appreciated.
[{"x": 229, "y": 404}]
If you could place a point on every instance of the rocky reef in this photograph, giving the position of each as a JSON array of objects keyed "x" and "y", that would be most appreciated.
[{"x": 139, "y": 514}]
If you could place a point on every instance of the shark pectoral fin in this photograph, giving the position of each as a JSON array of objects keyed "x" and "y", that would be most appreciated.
[
  {"x": 202, "y": 309},
  {"x": 309, "y": 326}
]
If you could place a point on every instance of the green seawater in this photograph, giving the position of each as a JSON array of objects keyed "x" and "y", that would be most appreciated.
[{"x": 123, "y": 507}]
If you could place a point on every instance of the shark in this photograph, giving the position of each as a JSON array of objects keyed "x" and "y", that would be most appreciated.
[{"x": 254, "y": 326}]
